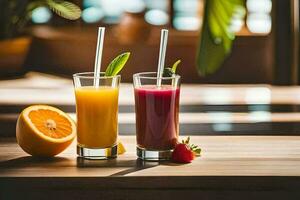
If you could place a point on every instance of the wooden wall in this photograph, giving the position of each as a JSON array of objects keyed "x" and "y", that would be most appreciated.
[{"x": 69, "y": 50}]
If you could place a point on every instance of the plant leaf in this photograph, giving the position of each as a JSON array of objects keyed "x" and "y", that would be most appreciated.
[
  {"x": 170, "y": 71},
  {"x": 65, "y": 9},
  {"x": 117, "y": 64},
  {"x": 174, "y": 67},
  {"x": 216, "y": 35}
]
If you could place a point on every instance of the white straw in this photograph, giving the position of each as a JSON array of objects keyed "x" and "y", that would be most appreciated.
[
  {"x": 98, "y": 57},
  {"x": 162, "y": 55}
]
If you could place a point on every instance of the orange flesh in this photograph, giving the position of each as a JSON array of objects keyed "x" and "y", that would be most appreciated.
[{"x": 50, "y": 123}]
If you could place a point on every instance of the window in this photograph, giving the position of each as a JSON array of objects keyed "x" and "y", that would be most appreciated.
[
  {"x": 110, "y": 12},
  {"x": 259, "y": 16},
  {"x": 41, "y": 15},
  {"x": 186, "y": 15}
]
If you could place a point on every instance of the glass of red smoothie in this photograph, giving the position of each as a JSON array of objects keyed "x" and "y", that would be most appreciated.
[{"x": 157, "y": 114}]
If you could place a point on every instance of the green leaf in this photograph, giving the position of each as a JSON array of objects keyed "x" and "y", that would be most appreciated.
[
  {"x": 117, "y": 64},
  {"x": 174, "y": 67},
  {"x": 65, "y": 9},
  {"x": 170, "y": 71},
  {"x": 216, "y": 35}
]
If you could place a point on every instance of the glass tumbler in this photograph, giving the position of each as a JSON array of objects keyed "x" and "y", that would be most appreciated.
[
  {"x": 97, "y": 115},
  {"x": 157, "y": 114}
]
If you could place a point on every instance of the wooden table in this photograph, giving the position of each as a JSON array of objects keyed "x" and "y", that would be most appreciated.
[{"x": 231, "y": 167}]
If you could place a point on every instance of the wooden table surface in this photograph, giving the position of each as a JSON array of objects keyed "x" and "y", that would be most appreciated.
[{"x": 231, "y": 167}]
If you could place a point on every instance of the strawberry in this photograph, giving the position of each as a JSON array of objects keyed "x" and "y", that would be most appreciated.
[{"x": 184, "y": 152}]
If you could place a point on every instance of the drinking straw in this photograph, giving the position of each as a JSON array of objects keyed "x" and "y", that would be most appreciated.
[
  {"x": 98, "y": 57},
  {"x": 162, "y": 55}
]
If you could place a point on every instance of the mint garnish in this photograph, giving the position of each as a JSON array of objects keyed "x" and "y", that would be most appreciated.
[
  {"x": 174, "y": 67},
  {"x": 117, "y": 64},
  {"x": 170, "y": 71}
]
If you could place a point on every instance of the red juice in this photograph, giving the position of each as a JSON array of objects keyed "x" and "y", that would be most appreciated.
[{"x": 157, "y": 111}]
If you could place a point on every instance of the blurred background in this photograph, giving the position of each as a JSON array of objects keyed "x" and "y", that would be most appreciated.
[
  {"x": 36, "y": 66},
  {"x": 60, "y": 46}
]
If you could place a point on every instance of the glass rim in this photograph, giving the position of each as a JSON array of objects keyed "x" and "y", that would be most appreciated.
[
  {"x": 90, "y": 75},
  {"x": 143, "y": 75}
]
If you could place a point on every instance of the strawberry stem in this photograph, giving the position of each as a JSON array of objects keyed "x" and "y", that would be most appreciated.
[{"x": 194, "y": 148}]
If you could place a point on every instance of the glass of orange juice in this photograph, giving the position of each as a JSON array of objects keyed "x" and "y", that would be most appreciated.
[{"x": 97, "y": 115}]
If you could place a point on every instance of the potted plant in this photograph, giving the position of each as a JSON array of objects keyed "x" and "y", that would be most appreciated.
[{"x": 14, "y": 18}]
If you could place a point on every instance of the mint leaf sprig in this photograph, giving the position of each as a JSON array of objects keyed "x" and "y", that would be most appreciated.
[
  {"x": 170, "y": 71},
  {"x": 117, "y": 64}
]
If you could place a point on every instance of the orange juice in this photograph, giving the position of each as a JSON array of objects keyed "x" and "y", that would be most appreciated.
[{"x": 97, "y": 116}]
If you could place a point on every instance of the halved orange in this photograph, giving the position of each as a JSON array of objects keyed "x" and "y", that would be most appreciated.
[{"x": 44, "y": 130}]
